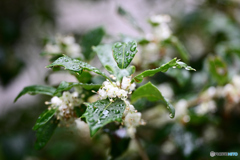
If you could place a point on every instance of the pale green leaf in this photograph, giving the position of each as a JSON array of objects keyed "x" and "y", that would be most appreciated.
[{"x": 104, "y": 53}]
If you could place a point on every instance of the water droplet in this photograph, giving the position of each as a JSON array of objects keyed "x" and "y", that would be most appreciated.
[
  {"x": 127, "y": 53},
  {"x": 174, "y": 67},
  {"x": 133, "y": 54},
  {"x": 118, "y": 45},
  {"x": 128, "y": 60},
  {"x": 66, "y": 60},
  {"x": 171, "y": 115},
  {"x": 117, "y": 111},
  {"x": 133, "y": 48},
  {"x": 187, "y": 68},
  {"x": 105, "y": 112}
]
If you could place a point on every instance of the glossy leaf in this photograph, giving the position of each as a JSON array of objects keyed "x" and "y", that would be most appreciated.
[
  {"x": 103, "y": 112},
  {"x": 44, "y": 118},
  {"x": 91, "y": 38},
  {"x": 75, "y": 65},
  {"x": 36, "y": 89},
  {"x": 104, "y": 53},
  {"x": 163, "y": 68},
  {"x": 123, "y": 53},
  {"x": 152, "y": 93},
  {"x": 64, "y": 86},
  {"x": 45, "y": 132}
]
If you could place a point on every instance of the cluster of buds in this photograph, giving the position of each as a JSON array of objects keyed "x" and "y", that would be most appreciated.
[
  {"x": 116, "y": 89},
  {"x": 132, "y": 119},
  {"x": 64, "y": 45},
  {"x": 65, "y": 105}
]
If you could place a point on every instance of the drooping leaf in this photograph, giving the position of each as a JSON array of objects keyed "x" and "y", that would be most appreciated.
[
  {"x": 45, "y": 132},
  {"x": 163, "y": 68},
  {"x": 152, "y": 93},
  {"x": 44, "y": 118},
  {"x": 75, "y": 65},
  {"x": 123, "y": 53},
  {"x": 218, "y": 70},
  {"x": 91, "y": 38},
  {"x": 104, "y": 53},
  {"x": 64, "y": 86},
  {"x": 103, "y": 112},
  {"x": 36, "y": 89}
]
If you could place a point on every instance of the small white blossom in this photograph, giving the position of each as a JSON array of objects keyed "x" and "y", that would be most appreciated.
[
  {"x": 65, "y": 105},
  {"x": 64, "y": 45},
  {"x": 115, "y": 90},
  {"x": 126, "y": 82},
  {"x": 52, "y": 48}
]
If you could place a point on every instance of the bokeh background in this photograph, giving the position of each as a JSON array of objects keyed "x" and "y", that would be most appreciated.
[{"x": 210, "y": 31}]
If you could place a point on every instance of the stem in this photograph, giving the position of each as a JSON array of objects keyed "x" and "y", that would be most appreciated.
[{"x": 142, "y": 152}]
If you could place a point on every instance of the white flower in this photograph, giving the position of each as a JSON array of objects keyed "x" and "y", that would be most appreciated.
[
  {"x": 162, "y": 32},
  {"x": 56, "y": 101},
  {"x": 73, "y": 50},
  {"x": 52, "y": 48},
  {"x": 132, "y": 119},
  {"x": 126, "y": 82},
  {"x": 160, "y": 19},
  {"x": 102, "y": 94},
  {"x": 68, "y": 40},
  {"x": 132, "y": 86}
]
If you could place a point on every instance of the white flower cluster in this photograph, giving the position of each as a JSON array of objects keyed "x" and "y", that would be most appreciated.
[
  {"x": 65, "y": 105},
  {"x": 131, "y": 119},
  {"x": 162, "y": 30},
  {"x": 116, "y": 89},
  {"x": 64, "y": 45}
]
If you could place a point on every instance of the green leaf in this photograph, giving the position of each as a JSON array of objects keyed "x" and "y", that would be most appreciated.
[
  {"x": 44, "y": 118},
  {"x": 104, "y": 53},
  {"x": 75, "y": 65},
  {"x": 64, "y": 86},
  {"x": 85, "y": 77},
  {"x": 45, "y": 132},
  {"x": 152, "y": 93},
  {"x": 218, "y": 69},
  {"x": 36, "y": 89},
  {"x": 91, "y": 38},
  {"x": 103, "y": 112},
  {"x": 123, "y": 53},
  {"x": 163, "y": 68}
]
